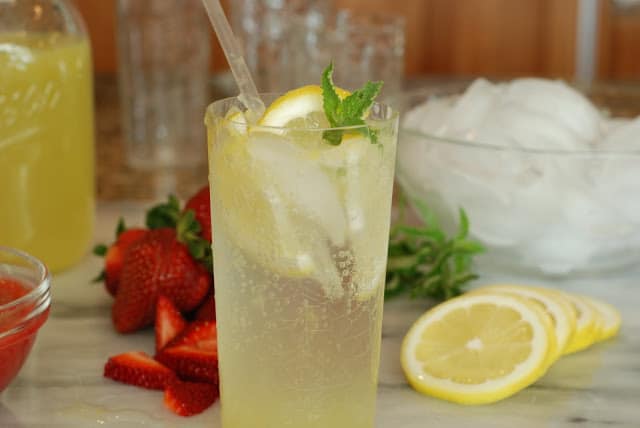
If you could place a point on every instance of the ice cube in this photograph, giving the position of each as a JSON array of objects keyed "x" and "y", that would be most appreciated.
[
  {"x": 349, "y": 157},
  {"x": 488, "y": 203},
  {"x": 625, "y": 136},
  {"x": 557, "y": 101},
  {"x": 591, "y": 217},
  {"x": 560, "y": 250},
  {"x": 610, "y": 125},
  {"x": 470, "y": 110},
  {"x": 303, "y": 183},
  {"x": 617, "y": 179},
  {"x": 428, "y": 117},
  {"x": 518, "y": 128}
]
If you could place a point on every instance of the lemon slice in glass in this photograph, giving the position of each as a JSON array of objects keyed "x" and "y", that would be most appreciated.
[
  {"x": 610, "y": 319},
  {"x": 298, "y": 108},
  {"x": 478, "y": 348},
  {"x": 587, "y": 323},
  {"x": 562, "y": 314}
]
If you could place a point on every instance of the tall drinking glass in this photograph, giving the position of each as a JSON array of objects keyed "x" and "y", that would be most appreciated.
[{"x": 300, "y": 245}]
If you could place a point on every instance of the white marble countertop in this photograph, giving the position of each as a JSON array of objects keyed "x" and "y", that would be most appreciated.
[{"x": 61, "y": 384}]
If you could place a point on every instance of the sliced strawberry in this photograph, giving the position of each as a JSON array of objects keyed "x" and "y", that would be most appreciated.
[
  {"x": 207, "y": 309},
  {"x": 137, "y": 368},
  {"x": 191, "y": 363},
  {"x": 199, "y": 334},
  {"x": 169, "y": 322},
  {"x": 200, "y": 204},
  {"x": 193, "y": 355},
  {"x": 190, "y": 398}
]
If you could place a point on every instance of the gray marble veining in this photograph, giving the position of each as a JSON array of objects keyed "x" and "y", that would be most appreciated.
[{"x": 62, "y": 386}]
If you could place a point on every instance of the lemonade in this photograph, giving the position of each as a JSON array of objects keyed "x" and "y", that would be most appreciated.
[
  {"x": 300, "y": 245},
  {"x": 46, "y": 146}
]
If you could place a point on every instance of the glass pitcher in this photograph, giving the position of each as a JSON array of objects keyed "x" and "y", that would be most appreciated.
[{"x": 46, "y": 131}]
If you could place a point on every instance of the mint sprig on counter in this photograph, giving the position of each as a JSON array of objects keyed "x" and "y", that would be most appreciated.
[
  {"x": 348, "y": 111},
  {"x": 424, "y": 262}
]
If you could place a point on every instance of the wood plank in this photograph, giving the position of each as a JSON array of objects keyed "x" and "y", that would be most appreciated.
[
  {"x": 625, "y": 45},
  {"x": 459, "y": 37},
  {"x": 100, "y": 17}
]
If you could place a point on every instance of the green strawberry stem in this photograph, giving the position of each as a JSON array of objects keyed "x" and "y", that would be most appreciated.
[
  {"x": 188, "y": 232},
  {"x": 164, "y": 215},
  {"x": 100, "y": 250}
]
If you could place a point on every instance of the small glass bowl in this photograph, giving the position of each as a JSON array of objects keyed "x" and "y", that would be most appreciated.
[{"x": 20, "y": 319}]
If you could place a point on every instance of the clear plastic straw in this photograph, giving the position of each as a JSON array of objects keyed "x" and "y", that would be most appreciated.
[{"x": 248, "y": 92}]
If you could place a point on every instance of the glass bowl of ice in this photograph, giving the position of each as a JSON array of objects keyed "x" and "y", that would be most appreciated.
[{"x": 548, "y": 179}]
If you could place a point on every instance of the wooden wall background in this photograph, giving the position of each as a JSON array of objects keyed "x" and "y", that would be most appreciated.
[{"x": 462, "y": 37}]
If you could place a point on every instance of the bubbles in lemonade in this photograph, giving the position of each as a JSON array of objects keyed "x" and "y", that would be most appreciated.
[
  {"x": 301, "y": 230},
  {"x": 46, "y": 146}
]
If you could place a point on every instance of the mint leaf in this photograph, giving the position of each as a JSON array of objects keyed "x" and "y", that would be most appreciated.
[
  {"x": 331, "y": 100},
  {"x": 333, "y": 136},
  {"x": 349, "y": 111},
  {"x": 357, "y": 104}
]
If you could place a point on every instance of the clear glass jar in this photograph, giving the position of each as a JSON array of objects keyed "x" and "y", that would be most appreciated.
[{"x": 47, "y": 190}]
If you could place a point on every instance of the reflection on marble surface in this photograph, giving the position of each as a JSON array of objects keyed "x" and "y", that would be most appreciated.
[{"x": 62, "y": 386}]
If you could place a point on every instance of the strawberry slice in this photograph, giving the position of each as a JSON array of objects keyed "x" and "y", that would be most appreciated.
[
  {"x": 207, "y": 309},
  {"x": 169, "y": 322},
  {"x": 199, "y": 334},
  {"x": 190, "y": 398},
  {"x": 138, "y": 368},
  {"x": 193, "y": 355}
]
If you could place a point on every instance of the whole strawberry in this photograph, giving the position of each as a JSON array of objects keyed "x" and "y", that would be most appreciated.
[
  {"x": 158, "y": 263},
  {"x": 114, "y": 255},
  {"x": 200, "y": 204}
]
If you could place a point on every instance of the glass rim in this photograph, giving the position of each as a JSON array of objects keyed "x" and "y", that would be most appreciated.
[
  {"x": 394, "y": 115},
  {"x": 43, "y": 280},
  {"x": 455, "y": 89},
  {"x": 481, "y": 145}
]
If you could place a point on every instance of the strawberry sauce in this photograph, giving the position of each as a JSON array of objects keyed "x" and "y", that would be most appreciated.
[
  {"x": 11, "y": 289},
  {"x": 15, "y": 346}
]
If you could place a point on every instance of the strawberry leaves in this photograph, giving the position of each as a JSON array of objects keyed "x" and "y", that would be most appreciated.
[
  {"x": 164, "y": 215},
  {"x": 187, "y": 226},
  {"x": 188, "y": 231}
]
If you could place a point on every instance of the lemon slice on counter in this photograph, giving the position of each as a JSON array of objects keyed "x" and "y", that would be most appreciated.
[
  {"x": 587, "y": 323},
  {"x": 478, "y": 348},
  {"x": 609, "y": 317},
  {"x": 298, "y": 108},
  {"x": 561, "y": 313}
]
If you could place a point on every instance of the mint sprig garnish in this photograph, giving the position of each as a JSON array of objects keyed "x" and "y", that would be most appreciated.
[{"x": 348, "y": 111}]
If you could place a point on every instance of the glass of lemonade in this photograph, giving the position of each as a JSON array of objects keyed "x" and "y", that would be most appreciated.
[
  {"x": 301, "y": 231},
  {"x": 46, "y": 131}
]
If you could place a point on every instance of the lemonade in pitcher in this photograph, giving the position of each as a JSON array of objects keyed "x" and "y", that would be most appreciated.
[
  {"x": 46, "y": 145},
  {"x": 300, "y": 213}
]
